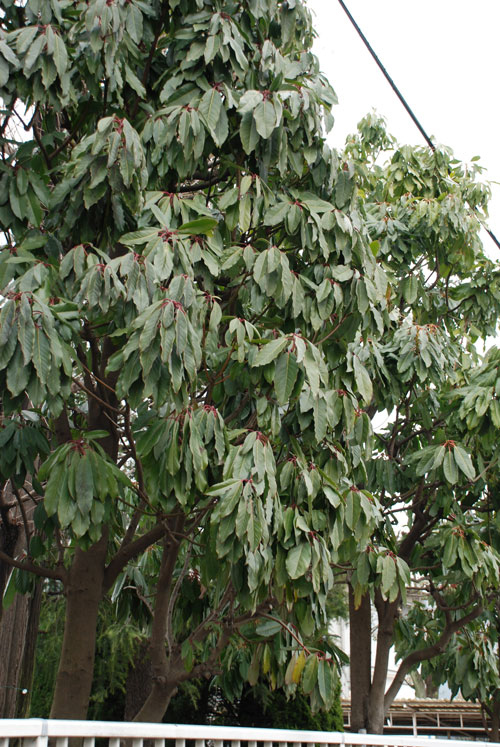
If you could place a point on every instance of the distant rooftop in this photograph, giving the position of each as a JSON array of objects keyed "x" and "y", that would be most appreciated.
[{"x": 440, "y": 718}]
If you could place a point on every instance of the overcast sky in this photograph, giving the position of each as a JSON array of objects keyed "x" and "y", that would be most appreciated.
[{"x": 444, "y": 55}]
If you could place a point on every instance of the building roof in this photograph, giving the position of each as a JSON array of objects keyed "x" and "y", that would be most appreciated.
[{"x": 426, "y": 717}]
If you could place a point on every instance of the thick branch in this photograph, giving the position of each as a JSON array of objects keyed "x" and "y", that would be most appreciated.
[
  {"x": 38, "y": 570},
  {"x": 428, "y": 652},
  {"x": 127, "y": 552}
]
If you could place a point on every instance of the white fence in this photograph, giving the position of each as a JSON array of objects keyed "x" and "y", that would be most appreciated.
[{"x": 37, "y": 732}]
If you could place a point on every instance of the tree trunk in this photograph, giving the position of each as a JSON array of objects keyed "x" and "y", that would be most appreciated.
[
  {"x": 387, "y": 613},
  {"x": 360, "y": 642},
  {"x": 164, "y": 670},
  {"x": 138, "y": 685},
  {"x": 494, "y": 733},
  {"x": 367, "y": 692},
  {"x": 19, "y": 622},
  {"x": 28, "y": 660},
  {"x": 17, "y": 639},
  {"x": 76, "y": 666},
  {"x": 158, "y": 700}
]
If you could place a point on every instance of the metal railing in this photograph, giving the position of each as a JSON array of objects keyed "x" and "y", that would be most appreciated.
[{"x": 37, "y": 732}]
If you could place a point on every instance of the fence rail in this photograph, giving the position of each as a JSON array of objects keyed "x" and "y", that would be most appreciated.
[{"x": 37, "y": 732}]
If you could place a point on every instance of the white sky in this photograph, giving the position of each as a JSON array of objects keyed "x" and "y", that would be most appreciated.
[{"x": 444, "y": 56}]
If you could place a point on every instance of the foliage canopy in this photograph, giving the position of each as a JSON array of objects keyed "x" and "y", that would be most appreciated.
[{"x": 203, "y": 308}]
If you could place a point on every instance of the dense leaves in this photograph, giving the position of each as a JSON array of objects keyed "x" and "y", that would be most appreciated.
[
  {"x": 199, "y": 299},
  {"x": 184, "y": 264}
]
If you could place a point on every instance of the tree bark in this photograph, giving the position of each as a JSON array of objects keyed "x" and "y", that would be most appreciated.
[
  {"x": 138, "y": 684},
  {"x": 17, "y": 649},
  {"x": 494, "y": 730},
  {"x": 76, "y": 667},
  {"x": 19, "y": 622},
  {"x": 387, "y": 613},
  {"x": 164, "y": 684},
  {"x": 360, "y": 642},
  {"x": 28, "y": 660}
]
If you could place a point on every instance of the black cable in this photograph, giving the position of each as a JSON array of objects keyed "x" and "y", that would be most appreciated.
[
  {"x": 388, "y": 77},
  {"x": 400, "y": 95}
]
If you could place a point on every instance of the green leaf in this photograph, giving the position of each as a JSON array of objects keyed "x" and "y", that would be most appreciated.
[
  {"x": 199, "y": 226},
  {"x": 410, "y": 289},
  {"x": 268, "y": 628},
  {"x": 269, "y": 351},
  {"x": 84, "y": 483},
  {"x": 33, "y": 54},
  {"x": 248, "y": 133},
  {"x": 41, "y": 354},
  {"x": 310, "y": 674},
  {"x": 60, "y": 55},
  {"x": 18, "y": 374},
  {"x": 285, "y": 376},
  {"x": 320, "y": 420},
  {"x": 265, "y": 118},
  {"x": 389, "y": 573},
  {"x": 254, "y": 668},
  {"x": 298, "y": 560},
  {"x": 449, "y": 467},
  {"x": 211, "y": 111},
  {"x": 325, "y": 680},
  {"x": 464, "y": 462},
  {"x": 363, "y": 381},
  {"x": 143, "y": 236}
]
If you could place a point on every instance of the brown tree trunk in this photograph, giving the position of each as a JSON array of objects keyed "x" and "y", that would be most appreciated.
[
  {"x": 19, "y": 622},
  {"x": 360, "y": 642},
  {"x": 367, "y": 690},
  {"x": 164, "y": 680},
  {"x": 28, "y": 660},
  {"x": 138, "y": 684},
  {"x": 76, "y": 666},
  {"x": 387, "y": 613},
  {"x": 157, "y": 702},
  {"x": 17, "y": 638},
  {"x": 494, "y": 733}
]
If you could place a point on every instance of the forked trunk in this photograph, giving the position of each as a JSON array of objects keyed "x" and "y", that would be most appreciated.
[
  {"x": 368, "y": 704},
  {"x": 157, "y": 701},
  {"x": 76, "y": 665}
]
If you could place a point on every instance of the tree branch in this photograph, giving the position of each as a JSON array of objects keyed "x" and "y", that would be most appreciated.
[
  {"x": 129, "y": 551},
  {"x": 38, "y": 570},
  {"x": 423, "y": 654}
]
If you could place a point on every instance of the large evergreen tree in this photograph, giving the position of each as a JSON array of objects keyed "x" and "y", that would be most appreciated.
[
  {"x": 198, "y": 297},
  {"x": 183, "y": 268},
  {"x": 424, "y": 212}
]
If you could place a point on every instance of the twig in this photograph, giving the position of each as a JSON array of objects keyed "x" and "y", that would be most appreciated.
[
  {"x": 173, "y": 597},
  {"x": 95, "y": 396},
  {"x": 285, "y": 627},
  {"x": 38, "y": 570}
]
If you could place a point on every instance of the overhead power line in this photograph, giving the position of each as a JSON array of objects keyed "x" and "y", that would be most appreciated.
[{"x": 400, "y": 95}]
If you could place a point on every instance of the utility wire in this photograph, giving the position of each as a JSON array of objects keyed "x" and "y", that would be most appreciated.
[{"x": 400, "y": 96}]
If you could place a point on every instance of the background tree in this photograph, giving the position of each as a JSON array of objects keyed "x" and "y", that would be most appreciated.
[
  {"x": 184, "y": 265},
  {"x": 435, "y": 459}
]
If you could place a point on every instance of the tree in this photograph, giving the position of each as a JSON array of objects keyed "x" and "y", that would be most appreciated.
[
  {"x": 199, "y": 299},
  {"x": 184, "y": 268},
  {"x": 435, "y": 460},
  {"x": 471, "y": 664}
]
